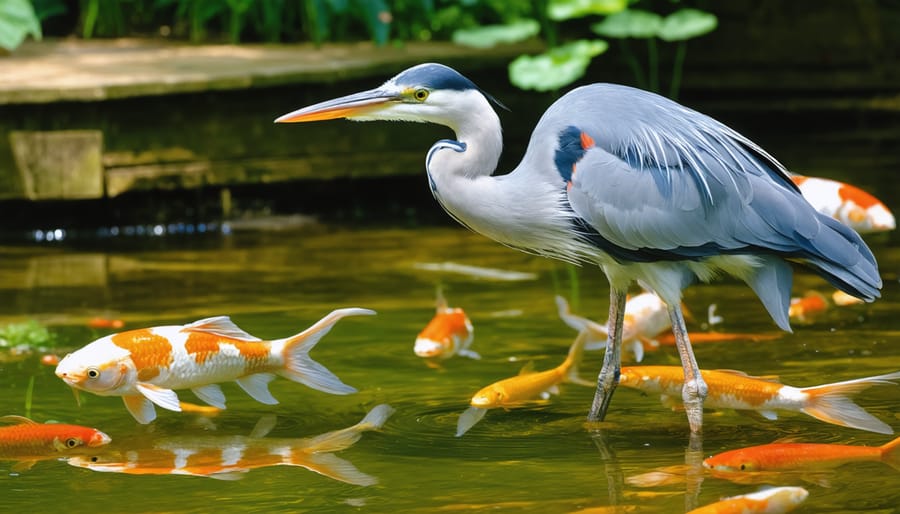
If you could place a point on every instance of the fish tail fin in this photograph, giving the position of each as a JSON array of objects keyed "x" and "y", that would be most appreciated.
[
  {"x": 468, "y": 419},
  {"x": 831, "y": 403},
  {"x": 300, "y": 367},
  {"x": 332, "y": 466},
  {"x": 573, "y": 361},
  {"x": 890, "y": 453},
  {"x": 342, "y": 439}
]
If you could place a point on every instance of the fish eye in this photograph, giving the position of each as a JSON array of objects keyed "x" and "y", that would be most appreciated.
[
  {"x": 420, "y": 94},
  {"x": 93, "y": 372},
  {"x": 94, "y": 459},
  {"x": 743, "y": 467},
  {"x": 72, "y": 442}
]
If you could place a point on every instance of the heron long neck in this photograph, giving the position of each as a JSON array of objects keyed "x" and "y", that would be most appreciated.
[{"x": 523, "y": 209}]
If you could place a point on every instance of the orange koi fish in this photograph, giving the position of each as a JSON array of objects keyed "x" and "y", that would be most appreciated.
[
  {"x": 28, "y": 441},
  {"x": 774, "y": 500},
  {"x": 848, "y": 204},
  {"x": 735, "y": 390},
  {"x": 790, "y": 456},
  {"x": 646, "y": 317},
  {"x": 526, "y": 387},
  {"x": 229, "y": 458},
  {"x": 448, "y": 333},
  {"x": 145, "y": 366},
  {"x": 807, "y": 308}
]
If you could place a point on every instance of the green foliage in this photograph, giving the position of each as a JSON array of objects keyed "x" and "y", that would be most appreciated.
[
  {"x": 487, "y": 36},
  {"x": 555, "y": 68},
  {"x": 560, "y": 10},
  {"x": 17, "y": 20},
  {"x": 31, "y": 334}
]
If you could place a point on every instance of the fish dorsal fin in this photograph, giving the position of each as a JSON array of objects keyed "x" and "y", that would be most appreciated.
[
  {"x": 765, "y": 378},
  {"x": 527, "y": 369},
  {"x": 220, "y": 326},
  {"x": 264, "y": 426},
  {"x": 13, "y": 419},
  {"x": 441, "y": 302}
]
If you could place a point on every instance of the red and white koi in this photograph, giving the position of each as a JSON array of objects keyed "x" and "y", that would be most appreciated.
[
  {"x": 784, "y": 456},
  {"x": 27, "y": 441},
  {"x": 729, "y": 389},
  {"x": 848, "y": 204},
  {"x": 774, "y": 500},
  {"x": 807, "y": 308},
  {"x": 228, "y": 458},
  {"x": 145, "y": 366},
  {"x": 448, "y": 333},
  {"x": 646, "y": 317},
  {"x": 528, "y": 386}
]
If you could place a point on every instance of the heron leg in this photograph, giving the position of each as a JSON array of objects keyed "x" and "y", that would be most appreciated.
[
  {"x": 694, "y": 391},
  {"x": 612, "y": 358}
]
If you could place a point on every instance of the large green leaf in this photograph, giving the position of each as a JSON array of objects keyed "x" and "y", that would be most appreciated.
[
  {"x": 555, "y": 68},
  {"x": 17, "y": 20},
  {"x": 629, "y": 23},
  {"x": 560, "y": 10},
  {"x": 686, "y": 24},
  {"x": 489, "y": 35}
]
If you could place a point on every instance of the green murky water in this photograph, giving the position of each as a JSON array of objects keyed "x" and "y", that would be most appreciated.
[{"x": 538, "y": 459}]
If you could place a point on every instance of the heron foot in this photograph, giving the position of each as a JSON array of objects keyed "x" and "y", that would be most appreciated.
[
  {"x": 606, "y": 386},
  {"x": 693, "y": 393}
]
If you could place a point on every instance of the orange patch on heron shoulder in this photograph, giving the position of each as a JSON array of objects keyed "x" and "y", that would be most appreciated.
[
  {"x": 798, "y": 179},
  {"x": 148, "y": 350},
  {"x": 857, "y": 196},
  {"x": 586, "y": 141},
  {"x": 202, "y": 345}
]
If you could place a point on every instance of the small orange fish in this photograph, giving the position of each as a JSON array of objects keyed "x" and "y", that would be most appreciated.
[
  {"x": 806, "y": 456},
  {"x": 28, "y": 441},
  {"x": 736, "y": 390},
  {"x": 848, "y": 204},
  {"x": 448, "y": 333},
  {"x": 774, "y": 500},
  {"x": 101, "y": 322},
  {"x": 528, "y": 386},
  {"x": 229, "y": 457},
  {"x": 145, "y": 366},
  {"x": 807, "y": 308}
]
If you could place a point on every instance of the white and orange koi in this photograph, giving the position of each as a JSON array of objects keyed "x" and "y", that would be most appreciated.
[
  {"x": 526, "y": 387},
  {"x": 774, "y": 500},
  {"x": 448, "y": 333},
  {"x": 228, "y": 458},
  {"x": 735, "y": 390},
  {"x": 848, "y": 204},
  {"x": 807, "y": 308},
  {"x": 145, "y": 366},
  {"x": 646, "y": 317}
]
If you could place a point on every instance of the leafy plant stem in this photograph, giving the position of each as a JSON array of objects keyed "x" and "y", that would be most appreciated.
[
  {"x": 652, "y": 65},
  {"x": 680, "y": 53},
  {"x": 547, "y": 27},
  {"x": 634, "y": 64},
  {"x": 90, "y": 18}
]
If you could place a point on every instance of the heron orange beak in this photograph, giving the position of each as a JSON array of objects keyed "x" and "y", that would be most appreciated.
[{"x": 350, "y": 106}]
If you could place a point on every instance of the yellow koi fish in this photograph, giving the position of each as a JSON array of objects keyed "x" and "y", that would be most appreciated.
[
  {"x": 807, "y": 456},
  {"x": 229, "y": 458},
  {"x": 774, "y": 500},
  {"x": 448, "y": 333},
  {"x": 145, "y": 366},
  {"x": 524, "y": 388},
  {"x": 735, "y": 390}
]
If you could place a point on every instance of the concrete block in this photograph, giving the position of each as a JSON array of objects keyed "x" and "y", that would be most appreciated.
[{"x": 64, "y": 164}]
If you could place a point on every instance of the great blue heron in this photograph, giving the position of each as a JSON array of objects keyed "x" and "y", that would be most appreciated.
[{"x": 647, "y": 189}]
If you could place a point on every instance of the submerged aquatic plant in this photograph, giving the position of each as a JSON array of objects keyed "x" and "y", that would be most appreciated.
[{"x": 30, "y": 334}]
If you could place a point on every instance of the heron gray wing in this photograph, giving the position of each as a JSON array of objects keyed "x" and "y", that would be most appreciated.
[{"x": 660, "y": 211}]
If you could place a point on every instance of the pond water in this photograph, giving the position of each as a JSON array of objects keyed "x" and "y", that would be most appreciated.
[{"x": 543, "y": 458}]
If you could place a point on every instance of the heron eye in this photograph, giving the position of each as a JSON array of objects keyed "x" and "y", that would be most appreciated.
[
  {"x": 93, "y": 373},
  {"x": 420, "y": 94},
  {"x": 71, "y": 442}
]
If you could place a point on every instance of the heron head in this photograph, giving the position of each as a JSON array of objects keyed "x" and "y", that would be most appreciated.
[{"x": 428, "y": 92}]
